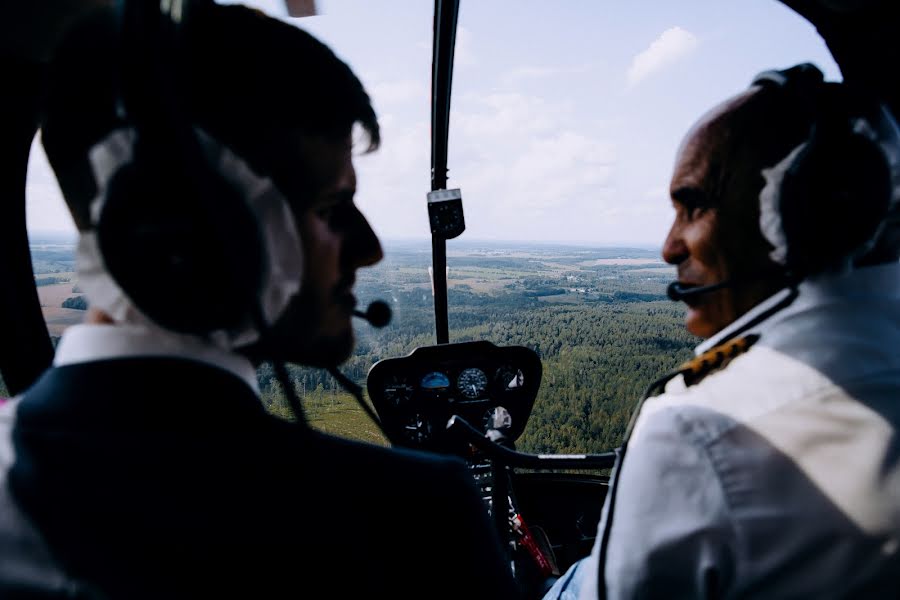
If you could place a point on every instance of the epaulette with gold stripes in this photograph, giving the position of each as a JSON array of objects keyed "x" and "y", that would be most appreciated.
[
  {"x": 694, "y": 371},
  {"x": 715, "y": 358}
]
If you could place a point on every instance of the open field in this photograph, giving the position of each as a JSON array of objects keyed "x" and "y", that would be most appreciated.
[
  {"x": 346, "y": 419},
  {"x": 558, "y": 266},
  {"x": 618, "y": 262},
  {"x": 53, "y": 295},
  {"x": 666, "y": 270},
  {"x": 51, "y": 298},
  {"x": 58, "y": 319},
  {"x": 336, "y": 413}
]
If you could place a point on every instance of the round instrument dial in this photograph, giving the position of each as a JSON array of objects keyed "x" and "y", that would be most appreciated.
[
  {"x": 417, "y": 429},
  {"x": 472, "y": 383},
  {"x": 509, "y": 378},
  {"x": 397, "y": 390}
]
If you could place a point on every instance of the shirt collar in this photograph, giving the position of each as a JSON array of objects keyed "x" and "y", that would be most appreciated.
[
  {"x": 879, "y": 280},
  {"x": 742, "y": 321},
  {"x": 94, "y": 342}
]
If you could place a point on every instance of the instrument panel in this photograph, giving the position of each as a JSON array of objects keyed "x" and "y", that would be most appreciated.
[{"x": 489, "y": 386}]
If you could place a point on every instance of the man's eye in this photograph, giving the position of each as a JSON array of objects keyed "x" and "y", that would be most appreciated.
[
  {"x": 336, "y": 215},
  {"x": 695, "y": 212},
  {"x": 325, "y": 212},
  {"x": 690, "y": 203}
]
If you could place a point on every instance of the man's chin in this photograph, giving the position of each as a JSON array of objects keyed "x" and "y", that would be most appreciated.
[
  {"x": 706, "y": 320},
  {"x": 697, "y": 324},
  {"x": 327, "y": 351}
]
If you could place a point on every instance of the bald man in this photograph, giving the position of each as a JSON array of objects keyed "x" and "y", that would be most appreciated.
[{"x": 768, "y": 466}]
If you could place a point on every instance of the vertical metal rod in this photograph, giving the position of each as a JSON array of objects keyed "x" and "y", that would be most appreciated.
[
  {"x": 439, "y": 274},
  {"x": 446, "y": 13}
]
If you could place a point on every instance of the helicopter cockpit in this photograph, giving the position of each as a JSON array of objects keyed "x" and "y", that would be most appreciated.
[{"x": 467, "y": 397}]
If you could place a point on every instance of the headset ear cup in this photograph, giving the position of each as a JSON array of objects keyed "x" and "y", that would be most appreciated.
[
  {"x": 181, "y": 270},
  {"x": 837, "y": 191},
  {"x": 834, "y": 200}
]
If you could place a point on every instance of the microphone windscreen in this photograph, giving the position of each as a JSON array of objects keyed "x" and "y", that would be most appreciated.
[
  {"x": 673, "y": 291},
  {"x": 677, "y": 291},
  {"x": 378, "y": 313}
]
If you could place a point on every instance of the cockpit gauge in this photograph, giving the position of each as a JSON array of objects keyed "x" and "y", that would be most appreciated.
[
  {"x": 509, "y": 378},
  {"x": 472, "y": 383},
  {"x": 417, "y": 429},
  {"x": 397, "y": 390},
  {"x": 435, "y": 381}
]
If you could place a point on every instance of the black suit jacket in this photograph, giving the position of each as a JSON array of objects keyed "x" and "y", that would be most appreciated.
[{"x": 165, "y": 478}]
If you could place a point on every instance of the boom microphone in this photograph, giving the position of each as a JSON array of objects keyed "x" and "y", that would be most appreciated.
[
  {"x": 378, "y": 314},
  {"x": 677, "y": 292}
]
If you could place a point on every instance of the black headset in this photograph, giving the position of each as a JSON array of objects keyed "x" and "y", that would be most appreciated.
[
  {"x": 837, "y": 189},
  {"x": 177, "y": 237}
]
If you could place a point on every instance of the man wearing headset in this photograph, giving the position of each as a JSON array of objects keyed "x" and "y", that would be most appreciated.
[
  {"x": 769, "y": 466},
  {"x": 142, "y": 464}
]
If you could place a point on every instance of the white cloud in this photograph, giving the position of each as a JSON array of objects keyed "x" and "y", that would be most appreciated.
[
  {"x": 504, "y": 114},
  {"x": 526, "y": 167},
  {"x": 393, "y": 181},
  {"x": 554, "y": 171},
  {"x": 672, "y": 45}
]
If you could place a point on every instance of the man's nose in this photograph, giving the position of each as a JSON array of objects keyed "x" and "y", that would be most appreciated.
[
  {"x": 674, "y": 249},
  {"x": 363, "y": 247}
]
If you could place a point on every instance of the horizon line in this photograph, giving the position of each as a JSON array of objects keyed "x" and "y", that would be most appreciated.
[{"x": 73, "y": 236}]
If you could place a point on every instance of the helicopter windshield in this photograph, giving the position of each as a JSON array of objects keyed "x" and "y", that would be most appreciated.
[
  {"x": 564, "y": 123},
  {"x": 520, "y": 192}
]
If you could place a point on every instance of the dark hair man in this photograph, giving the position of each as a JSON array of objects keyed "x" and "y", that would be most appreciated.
[
  {"x": 142, "y": 464},
  {"x": 769, "y": 466}
]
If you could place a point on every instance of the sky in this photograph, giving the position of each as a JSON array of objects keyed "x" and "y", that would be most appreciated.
[{"x": 565, "y": 118}]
